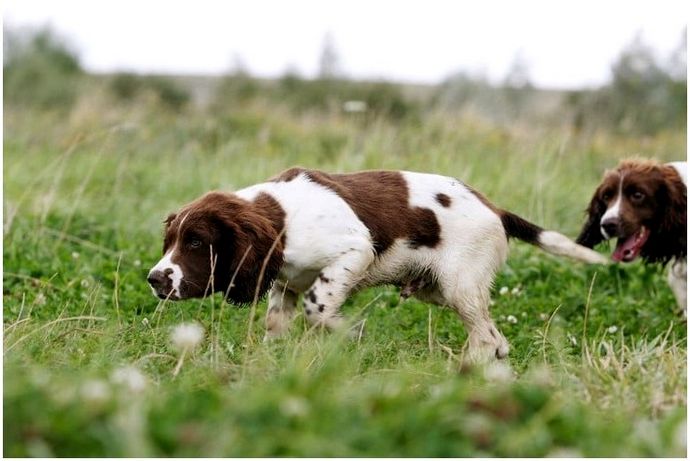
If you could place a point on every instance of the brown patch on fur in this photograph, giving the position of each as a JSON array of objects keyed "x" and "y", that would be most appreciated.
[
  {"x": 661, "y": 208},
  {"x": 380, "y": 199},
  {"x": 443, "y": 199},
  {"x": 288, "y": 175},
  {"x": 229, "y": 228}
]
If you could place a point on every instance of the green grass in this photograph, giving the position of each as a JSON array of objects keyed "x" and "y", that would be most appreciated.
[{"x": 595, "y": 374}]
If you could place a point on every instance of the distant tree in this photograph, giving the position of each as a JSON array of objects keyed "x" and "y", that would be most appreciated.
[
  {"x": 39, "y": 69},
  {"x": 678, "y": 62},
  {"x": 645, "y": 95},
  {"x": 329, "y": 61},
  {"x": 517, "y": 86}
]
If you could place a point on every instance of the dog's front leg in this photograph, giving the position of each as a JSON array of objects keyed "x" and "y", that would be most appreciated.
[{"x": 329, "y": 291}]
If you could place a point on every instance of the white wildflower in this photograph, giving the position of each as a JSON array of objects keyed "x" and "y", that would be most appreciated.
[
  {"x": 543, "y": 317},
  {"x": 40, "y": 299},
  {"x": 498, "y": 372},
  {"x": 294, "y": 406},
  {"x": 130, "y": 377},
  {"x": 573, "y": 339},
  {"x": 145, "y": 321},
  {"x": 512, "y": 319},
  {"x": 137, "y": 263},
  {"x": 95, "y": 392},
  {"x": 503, "y": 291},
  {"x": 187, "y": 336},
  {"x": 75, "y": 255},
  {"x": 564, "y": 453},
  {"x": 85, "y": 283},
  {"x": 515, "y": 291},
  {"x": 612, "y": 329},
  {"x": 355, "y": 106},
  {"x": 523, "y": 314}
]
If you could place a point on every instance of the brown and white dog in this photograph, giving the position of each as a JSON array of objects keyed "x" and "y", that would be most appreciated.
[
  {"x": 325, "y": 235},
  {"x": 644, "y": 205}
]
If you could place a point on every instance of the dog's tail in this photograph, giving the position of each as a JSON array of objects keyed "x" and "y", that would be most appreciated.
[{"x": 549, "y": 241}]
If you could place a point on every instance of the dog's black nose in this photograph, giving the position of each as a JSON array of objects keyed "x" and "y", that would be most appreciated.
[
  {"x": 157, "y": 279},
  {"x": 610, "y": 227}
]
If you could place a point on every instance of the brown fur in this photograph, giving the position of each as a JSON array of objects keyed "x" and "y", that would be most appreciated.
[
  {"x": 443, "y": 199},
  {"x": 662, "y": 209},
  {"x": 380, "y": 199},
  {"x": 230, "y": 228}
]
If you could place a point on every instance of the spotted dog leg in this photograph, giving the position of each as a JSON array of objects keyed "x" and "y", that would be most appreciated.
[
  {"x": 281, "y": 309},
  {"x": 323, "y": 299}
]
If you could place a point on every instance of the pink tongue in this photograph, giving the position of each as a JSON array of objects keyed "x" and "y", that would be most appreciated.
[{"x": 630, "y": 248}]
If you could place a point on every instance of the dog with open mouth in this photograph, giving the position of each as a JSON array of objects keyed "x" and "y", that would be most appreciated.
[{"x": 643, "y": 204}]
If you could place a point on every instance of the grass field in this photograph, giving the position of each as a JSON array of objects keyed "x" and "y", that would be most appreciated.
[{"x": 598, "y": 355}]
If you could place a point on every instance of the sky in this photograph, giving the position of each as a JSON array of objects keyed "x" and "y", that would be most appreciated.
[{"x": 564, "y": 43}]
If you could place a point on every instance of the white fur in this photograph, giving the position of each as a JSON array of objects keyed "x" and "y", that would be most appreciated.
[
  {"x": 559, "y": 244},
  {"x": 324, "y": 237},
  {"x": 614, "y": 211},
  {"x": 682, "y": 169},
  {"x": 175, "y": 276}
]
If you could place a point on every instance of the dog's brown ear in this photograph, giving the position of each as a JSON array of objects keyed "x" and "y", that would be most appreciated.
[
  {"x": 247, "y": 255},
  {"x": 672, "y": 203},
  {"x": 590, "y": 235},
  {"x": 171, "y": 217}
]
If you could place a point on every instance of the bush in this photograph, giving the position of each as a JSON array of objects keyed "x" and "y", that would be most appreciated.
[
  {"x": 644, "y": 95},
  {"x": 40, "y": 70},
  {"x": 129, "y": 87}
]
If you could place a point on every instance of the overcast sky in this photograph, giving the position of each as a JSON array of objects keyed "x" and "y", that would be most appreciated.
[{"x": 565, "y": 43}]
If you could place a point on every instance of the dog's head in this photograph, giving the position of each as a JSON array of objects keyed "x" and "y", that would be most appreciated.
[
  {"x": 220, "y": 243},
  {"x": 643, "y": 205}
]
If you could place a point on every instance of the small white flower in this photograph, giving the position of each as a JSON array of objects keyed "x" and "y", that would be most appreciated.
[
  {"x": 355, "y": 106},
  {"x": 612, "y": 329},
  {"x": 84, "y": 283},
  {"x": 75, "y": 255},
  {"x": 511, "y": 319},
  {"x": 503, "y": 291},
  {"x": 40, "y": 299},
  {"x": 543, "y": 317},
  {"x": 573, "y": 339},
  {"x": 294, "y": 406},
  {"x": 130, "y": 377},
  {"x": 523, "y": 314},
  {"x": 137, "y": 263},
  {"x": 564, "y": 453},
  {"x": 498, "y": 372},
  {"x": 95, "y": 392},
  {"x": 145, "y": 321},
  {"x": 515, "y": 291},
  {"x": 187, "y": 336}
]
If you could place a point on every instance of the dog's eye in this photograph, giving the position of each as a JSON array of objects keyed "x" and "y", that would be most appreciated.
[
  {"x": 607, "y": 195},
  {"x": 637, "y": 196},
  {"x": 195, "y": 243}
]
